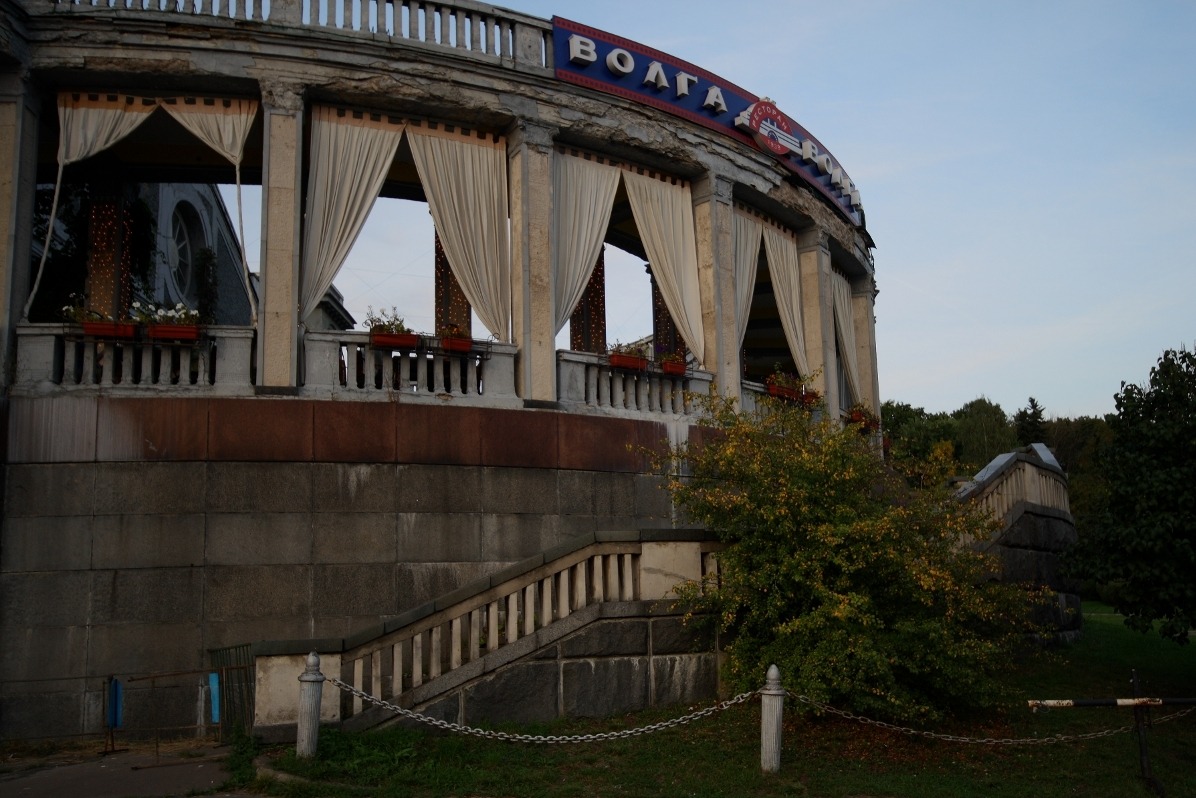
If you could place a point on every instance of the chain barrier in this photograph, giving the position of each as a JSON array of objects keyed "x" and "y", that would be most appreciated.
[
  {"x": 955, "y": 738},
  {"x": 739, "y": 699},
  {"x": 542, "y": 738}
]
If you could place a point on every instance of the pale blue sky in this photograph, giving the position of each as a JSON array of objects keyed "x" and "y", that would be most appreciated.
[{"x": 1028, "y": 170}]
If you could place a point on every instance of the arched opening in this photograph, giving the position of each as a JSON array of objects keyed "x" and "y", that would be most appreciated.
[{"x": 621, "y": 297}]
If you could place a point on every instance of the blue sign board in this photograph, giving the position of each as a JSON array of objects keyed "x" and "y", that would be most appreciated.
[{"x": 604, "y": 62}]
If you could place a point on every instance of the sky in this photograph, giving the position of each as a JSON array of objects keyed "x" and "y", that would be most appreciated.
[{"x": 1028, "y": 170}]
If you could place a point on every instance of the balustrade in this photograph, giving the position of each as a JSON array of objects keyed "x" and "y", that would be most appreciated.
[
  {"x": 61, "y": 357},
  {"x": 470, "y": 29},
  {"x": 587, "y": 380},
  {"x": 396, "y": 663},
  {"x": 345, "y": 363},
  {"x": 1013, "y": 479}
]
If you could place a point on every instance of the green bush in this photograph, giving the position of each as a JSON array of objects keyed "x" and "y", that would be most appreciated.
[{"x": 860, "y": 587}]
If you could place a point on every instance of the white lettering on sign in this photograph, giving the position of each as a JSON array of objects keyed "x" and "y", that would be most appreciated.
[
  {"x": 770, "y": 128},
  {"x": 582, "y": 50},
  {"x": 655, "y": 76},
  {"x": 714, "y": 100},
  {"x": 620, "y": 62},
  {"x": 684, "y": 82}
]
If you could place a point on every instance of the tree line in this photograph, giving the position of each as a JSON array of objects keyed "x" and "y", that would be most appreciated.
[{"x": 1131, "y": 483}]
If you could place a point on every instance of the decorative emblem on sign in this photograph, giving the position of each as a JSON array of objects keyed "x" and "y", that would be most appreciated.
[
  {"x": 773, "y": 132},
  {"x": 769, "y": 127}
]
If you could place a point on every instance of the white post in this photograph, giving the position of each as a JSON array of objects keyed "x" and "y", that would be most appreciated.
[
  {"x": 311, "y": 685},
  {"x": 772, "y": 706}
]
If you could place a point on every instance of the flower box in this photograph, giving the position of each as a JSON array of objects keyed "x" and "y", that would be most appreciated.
[
  {"x": 386, "y": 340},
  {"x": 622, "y": 360},
  {"x": 674, "y": 367},
  {"x": 110, "y": 329},
  {"x": 172, "y": 332},
  {"x": 784, "y": 392},
  {"x": 454, "y": 344}
]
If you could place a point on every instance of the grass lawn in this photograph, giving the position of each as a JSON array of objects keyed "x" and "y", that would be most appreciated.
[{"x": 822, "y": 757}]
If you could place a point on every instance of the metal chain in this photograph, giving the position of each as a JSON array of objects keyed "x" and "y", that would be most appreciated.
[
  {"x": 542, "y": 738},
  {"x": 954, "y": 738}
]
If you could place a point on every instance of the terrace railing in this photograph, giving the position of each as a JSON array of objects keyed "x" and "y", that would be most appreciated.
[
  {"x": 345, "y": 364},
  {"x": 470, "y": 29},
  {"x": 587, "y": 382},
  {"x": 57, "y": 357}
]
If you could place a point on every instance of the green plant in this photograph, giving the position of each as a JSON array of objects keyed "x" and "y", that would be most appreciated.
[
  {"x": 150, "y": 313},
  {"x": 634, "y": 348},
  {"x": 384, "y": 321},
  {"x": 451, "y": 330},
  {"x": 1144, "y": 540},
  {"x": 78, "y": 313},
  {"x": 859, "y": 586},
  {"x": 671, "y": 357},
  {"x": 784, "y": 379},
  {"x": 861, "y": 416}
]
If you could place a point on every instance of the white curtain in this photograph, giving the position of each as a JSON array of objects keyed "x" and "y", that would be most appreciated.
[
  {"x": 87, "y": 125},
  {"x": 582, "y": 194},
  {"x": 224, "y": 126},
  {"x": 784, "y": 268},
  {"x": 465, "y": 180},
  {"x": 348, "y": 164},
  {"x": 845, "y": 329},
  {"x": 664, "y": 215},
  {"x": 747, "y": 257}
]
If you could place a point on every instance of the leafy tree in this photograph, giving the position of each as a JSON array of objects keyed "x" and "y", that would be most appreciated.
[
  {"x": 914, "y": 438},
  {"x": 1146, "y": 540},
  {"x": 1079, "y": 445},
  {"x": 983, "y": 432},
  {"x": 856, "y": 585},
  {"x": 1028, "y": 424}
]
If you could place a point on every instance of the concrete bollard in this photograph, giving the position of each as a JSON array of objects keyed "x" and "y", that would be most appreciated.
[
  {"x": 772, "y": 710},
  {"x": 311, "y": 686}
]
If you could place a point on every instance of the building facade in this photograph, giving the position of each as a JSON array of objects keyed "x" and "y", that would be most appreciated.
[{"x": 279, "y": 479}]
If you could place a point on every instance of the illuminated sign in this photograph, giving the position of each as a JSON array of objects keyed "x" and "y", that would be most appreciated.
[{"x": 592, "y": 58}]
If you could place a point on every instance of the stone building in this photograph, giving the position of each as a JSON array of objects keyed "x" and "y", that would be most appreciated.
[{"x": 274, "y": 479}]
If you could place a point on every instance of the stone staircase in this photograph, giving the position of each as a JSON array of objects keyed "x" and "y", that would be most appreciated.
[{"x": 584, "y": 629}]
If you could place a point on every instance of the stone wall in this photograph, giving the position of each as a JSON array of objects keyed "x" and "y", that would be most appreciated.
[{"x": 127, "y": 567}]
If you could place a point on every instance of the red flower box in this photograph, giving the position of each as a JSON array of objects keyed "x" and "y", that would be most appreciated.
[
  {"x": 620, "y": 360},
  {"x": 456, "y": 344},
  {"x": 674, "y": 367},
  {"x": 110, "y": 329},
  {"x": 784, "y": 392},
  {"x": 172, "y": 332},
  {"x": 385, "y": 340}
]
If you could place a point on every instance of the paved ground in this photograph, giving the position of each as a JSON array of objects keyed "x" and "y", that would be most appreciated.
[{"x": 178, "y": 769}]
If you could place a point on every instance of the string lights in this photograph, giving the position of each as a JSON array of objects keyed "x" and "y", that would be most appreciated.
[
  {"x": 109, "y": 280},
  {"x": 587, "y": 324},
  {"x": 451, "y": 305}
]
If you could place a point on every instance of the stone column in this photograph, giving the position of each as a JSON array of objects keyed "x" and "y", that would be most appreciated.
[
  {"x": 863, "y": 299},
  {"x": 18, "y": 179},
  {"x": 529, "y": 159},
  {"x": 713, "y": 226},
  {"x": 282, "y": 181},
  {"x": 818, "y": 312}
]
